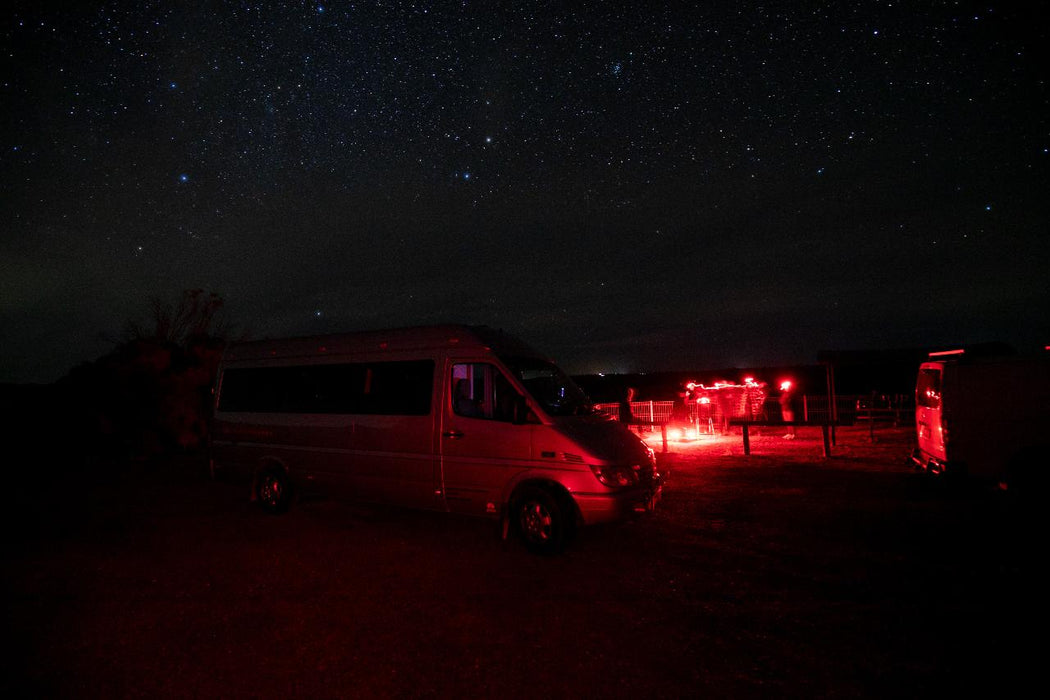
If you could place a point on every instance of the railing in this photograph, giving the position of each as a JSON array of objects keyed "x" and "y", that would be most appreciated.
[
  {"x": 643, "y": 414},
  {"x": 825, "y": 430},
  {"x": 898, "y": 409},
  {"x": 849, "y": 410}
]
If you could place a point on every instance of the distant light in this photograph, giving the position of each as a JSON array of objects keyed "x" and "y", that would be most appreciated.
[
  {"x": 945, "y": 353},
  {"x": 183, "y": 177},
  {"x": 785, "y": 385}
]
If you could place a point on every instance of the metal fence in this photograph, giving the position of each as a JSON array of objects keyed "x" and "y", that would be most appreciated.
[
  {"x": 849, "y": 410},
  {"x": 898, "y": 409},
  {"x": 651, "y": 412}
]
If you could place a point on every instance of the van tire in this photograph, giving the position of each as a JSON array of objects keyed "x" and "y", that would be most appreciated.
[
  {"x": 273, "y": 490},
  {"x": 541, "y": 520}
]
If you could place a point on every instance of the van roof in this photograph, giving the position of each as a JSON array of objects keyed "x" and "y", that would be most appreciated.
[{"x": 386, "y": 340}]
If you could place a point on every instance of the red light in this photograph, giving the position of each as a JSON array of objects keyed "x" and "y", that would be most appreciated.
[
  {"x": 945, "y": 353},
  {"x": 785, "y": 385}
]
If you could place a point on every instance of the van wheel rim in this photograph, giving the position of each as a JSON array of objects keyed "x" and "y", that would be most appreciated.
[
  {"x": 536, "y": 521},
  {"x": 271, "y": 491}
]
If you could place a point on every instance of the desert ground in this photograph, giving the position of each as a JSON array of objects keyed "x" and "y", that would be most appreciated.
[{"x": 779, "y": 574}]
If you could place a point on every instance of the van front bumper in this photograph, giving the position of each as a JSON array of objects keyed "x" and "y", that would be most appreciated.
[{"x": 610, "y": 507}]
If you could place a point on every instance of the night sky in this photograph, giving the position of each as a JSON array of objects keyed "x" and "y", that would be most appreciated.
[{"x": 627, "y": 186}]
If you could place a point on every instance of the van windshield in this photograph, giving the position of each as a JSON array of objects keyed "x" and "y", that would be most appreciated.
[{"x": 551, "y": 387}]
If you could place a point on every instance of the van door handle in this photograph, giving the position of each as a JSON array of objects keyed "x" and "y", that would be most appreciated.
[{"x": 452, "y": 434}]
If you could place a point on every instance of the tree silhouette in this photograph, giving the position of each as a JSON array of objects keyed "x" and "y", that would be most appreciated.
[
  {"x": 152, "y": 393},
  {"x": 195, "y": 316}
]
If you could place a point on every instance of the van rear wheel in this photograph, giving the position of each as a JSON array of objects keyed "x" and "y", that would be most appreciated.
[
  {"x": 273, "y": 490},
  {"x": 541, "y": 520}
]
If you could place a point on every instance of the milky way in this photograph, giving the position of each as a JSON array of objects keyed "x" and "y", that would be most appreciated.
[{"x": 630, "y": 186}]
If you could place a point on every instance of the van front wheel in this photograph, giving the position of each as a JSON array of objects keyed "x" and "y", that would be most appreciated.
[{"x": 540, "y": 520}]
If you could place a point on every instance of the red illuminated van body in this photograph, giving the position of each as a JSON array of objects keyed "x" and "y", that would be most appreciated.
[
  {"x": 452, "y": 418},
  {"x": 984, "y": 416}
]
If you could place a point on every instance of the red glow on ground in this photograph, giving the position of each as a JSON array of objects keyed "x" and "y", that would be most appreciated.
[{"x": 768, "y": 441}]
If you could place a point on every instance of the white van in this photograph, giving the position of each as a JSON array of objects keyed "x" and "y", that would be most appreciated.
[
  {"x": 988, "y": 417},
  {"x": 451, "y": 418}
]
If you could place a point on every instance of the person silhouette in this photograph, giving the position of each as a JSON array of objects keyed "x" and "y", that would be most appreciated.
[
  {"x": 626, "y": 413},
  {"x": 787, "y": 412}
]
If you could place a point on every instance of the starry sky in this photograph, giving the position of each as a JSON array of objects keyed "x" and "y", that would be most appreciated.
[{"x": 628, "y": 186}]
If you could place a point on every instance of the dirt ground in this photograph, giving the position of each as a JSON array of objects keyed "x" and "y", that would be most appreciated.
[{"x": 779, "y": 574}]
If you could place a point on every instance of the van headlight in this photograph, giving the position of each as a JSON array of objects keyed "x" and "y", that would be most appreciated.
[{"x": 616, "y": 476}]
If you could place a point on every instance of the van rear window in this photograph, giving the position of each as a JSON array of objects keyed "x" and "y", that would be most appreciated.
[
  {"x": 928, "y": 388},
  {"x": 383, "y": 388}
]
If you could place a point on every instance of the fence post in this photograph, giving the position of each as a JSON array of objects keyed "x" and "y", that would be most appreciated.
[
  {"x": 747, "y": 441},
  {"x": 833, "y": 413},
  {"x": 827, "y": 439},
  {"x": 805, "y": 409},
  {"x": 871, "y": 418}
]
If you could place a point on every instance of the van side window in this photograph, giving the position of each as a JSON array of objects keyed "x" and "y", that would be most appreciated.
[
  {"x": 382, "y": 388},
  {"x": 479, "y": 390}
]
